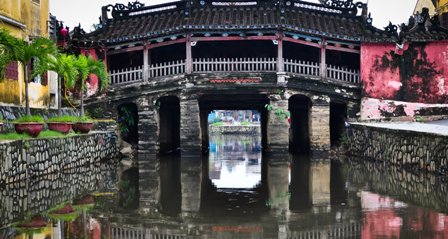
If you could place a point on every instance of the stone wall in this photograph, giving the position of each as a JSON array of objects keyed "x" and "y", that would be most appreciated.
[
  {"x": 28, "y": 158},
  {"x": 416, "y": 151},
  {"x": 235, "y": 129}
]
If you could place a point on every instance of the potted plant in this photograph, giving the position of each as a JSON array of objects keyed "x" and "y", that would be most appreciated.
[
  {"x": 33, "y": 225},
  {"x": 31, "y": 125},
  {"x": 64, "y": 212},
  {"x": 83, "y": 125},
  {"x": 62, "y": 124}
]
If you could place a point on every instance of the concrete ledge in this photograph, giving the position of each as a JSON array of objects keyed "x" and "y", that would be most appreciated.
[{"x": 21, "y": 159}]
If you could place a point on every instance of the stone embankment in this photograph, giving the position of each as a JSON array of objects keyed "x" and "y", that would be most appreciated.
[
  {"x": 21, "y": 159},
  {"x": 235, "y": 129},
  {"x": 414, "y": 146}
]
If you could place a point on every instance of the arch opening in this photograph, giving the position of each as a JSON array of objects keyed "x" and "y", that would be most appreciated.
[
  {"x": 128, "y": 122},
  {"x": 299, "y": 107},
  {"x": 169, "y": 125},
  {"x": 338, "y": 116}
]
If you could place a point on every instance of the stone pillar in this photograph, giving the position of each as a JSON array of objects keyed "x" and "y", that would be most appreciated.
[
  {"x": 323, "y": 59},
  {"x": 278, "y": 126},
  {"x": 189, "y": 60},
  {"x": 190, "y": 128},
  {"x": 320, "y": 125},
  {"x": 146, "y": 62},
  {"x": 320, "y": 183},
  {"x": 147, "y": 151},
  {"x": 191, "y": 182},
  {"x": 281, "y": 75}
]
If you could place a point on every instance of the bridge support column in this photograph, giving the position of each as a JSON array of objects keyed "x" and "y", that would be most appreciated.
[
  {"x": 190, "y": 128},
  {"x": 320, "y": 126},
  {"x": 278, "y": 126},
  {"x": 147, "y": 160}
]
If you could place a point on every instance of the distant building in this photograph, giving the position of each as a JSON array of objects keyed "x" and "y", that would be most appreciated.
[{"x": 25, "y": 19}]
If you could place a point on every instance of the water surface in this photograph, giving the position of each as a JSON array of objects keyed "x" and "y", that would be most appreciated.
[{"x": 236, "y": 192}]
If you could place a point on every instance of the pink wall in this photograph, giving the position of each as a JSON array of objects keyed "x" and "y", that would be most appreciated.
[{"x": 414, "y": 72}]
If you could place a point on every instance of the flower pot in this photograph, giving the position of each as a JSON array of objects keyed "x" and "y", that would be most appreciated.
[
  {"x": 32, "y": 129},
  {"x": 82, "y": 127},
  {"x": 62, "y": 127}
]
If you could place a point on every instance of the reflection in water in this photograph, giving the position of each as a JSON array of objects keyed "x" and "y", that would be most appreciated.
[
  {"x": 235, "y": 161},
  {"x": 300, "y": 199}
]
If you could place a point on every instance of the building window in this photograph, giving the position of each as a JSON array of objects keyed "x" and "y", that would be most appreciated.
[
  {"x": 36, "y": 1},
  {"x": 12, "y": 71}
]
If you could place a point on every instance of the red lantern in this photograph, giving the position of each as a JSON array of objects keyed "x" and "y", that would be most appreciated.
[{"x": 64, "y": 32}]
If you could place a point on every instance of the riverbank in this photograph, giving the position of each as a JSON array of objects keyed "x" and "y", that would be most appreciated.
[{"x": 235, "y": 129}]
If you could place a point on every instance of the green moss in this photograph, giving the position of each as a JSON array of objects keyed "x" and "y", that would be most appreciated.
[
  {"x": 14, "y": 136},
  {"x": 30, "y": 118},
  {"x": 64, "y": 118},
  {"x": 44, "y": 134}
]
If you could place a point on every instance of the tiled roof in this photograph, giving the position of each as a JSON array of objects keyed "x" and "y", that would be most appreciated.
[{"x": 293, "y": 16}]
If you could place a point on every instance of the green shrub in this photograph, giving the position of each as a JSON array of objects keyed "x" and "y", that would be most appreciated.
[
  {"x": 64, "y": 118},
  {"x": 83, "y": 119},
  {"x": 14, "y": 136},
  {"x": 30, "y": 118},
  {"x": 245, "y": 123},
  {"x": 218, "y": 124},
  {"x": 43, "y": 134}
]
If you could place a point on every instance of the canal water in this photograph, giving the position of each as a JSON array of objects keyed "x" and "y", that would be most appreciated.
[{"x": 236, "y": 192}]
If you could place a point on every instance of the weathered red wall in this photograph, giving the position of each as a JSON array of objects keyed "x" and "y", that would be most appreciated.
[{"x": 417, "y": 72}]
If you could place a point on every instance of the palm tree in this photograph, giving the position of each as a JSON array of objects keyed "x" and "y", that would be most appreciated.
[
  {"x": 64, "y": 66},
  {"x": 10, "y": 49},
  {"x": 19, "y": 50},
  {"x": 86, "y": 66}
]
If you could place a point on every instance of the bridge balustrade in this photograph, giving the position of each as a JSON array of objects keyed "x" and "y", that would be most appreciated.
[
  {"x": 126, "y": 75},
  {"x": 342, "y": 73},
  {"x": 302, "y": 67},
  {"x": 211, "y": 65},
  {"x": 167, "y": 69},
  {"x": 235, "y": 65}
]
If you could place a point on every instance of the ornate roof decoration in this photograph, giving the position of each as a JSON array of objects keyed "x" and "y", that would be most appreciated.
[
  {"x": 332, "y": 19},
  {"x": 349, "y": 6},
  {"x": 419, "y": 28},
  {"x": 119, "y": 10}
]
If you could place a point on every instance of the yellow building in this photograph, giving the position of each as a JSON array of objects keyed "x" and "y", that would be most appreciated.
[
  {"x": 442, "y": 6},
  {"x": 430, "y": 4},
  {"x": 24, "y": 19}
]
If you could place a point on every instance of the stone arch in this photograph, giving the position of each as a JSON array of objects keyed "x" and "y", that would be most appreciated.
[
  {"x": 169, "y": 124},
  {"x": 299, "y": 107},
  {"x": 338, "y": 117},
  {"x": 127, "y": 118}
]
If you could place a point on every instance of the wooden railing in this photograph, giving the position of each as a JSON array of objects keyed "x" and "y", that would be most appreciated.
[
  {"x": 302, "y": 67},
  {"x": 212, "y": 65},
  {"x": 235, "y": 65},
  {"x": 166, "y": 69},
  {"x": 342, "y": 74},
  {"x": 126, "y": 75}
]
